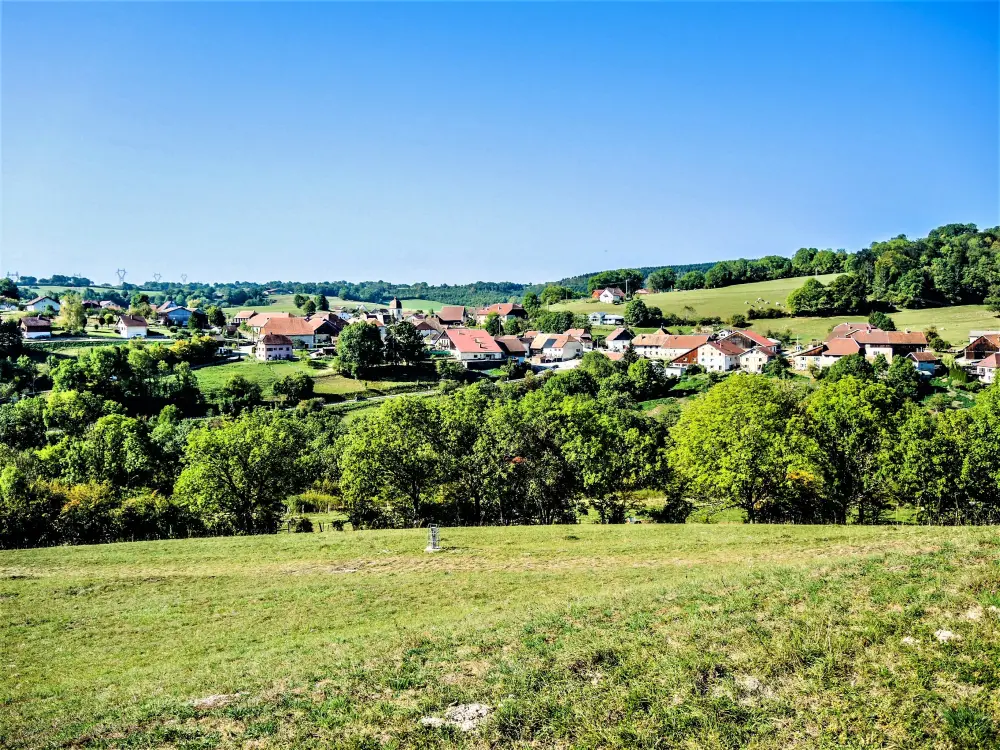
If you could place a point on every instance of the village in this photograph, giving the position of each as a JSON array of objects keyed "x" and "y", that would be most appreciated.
[{"x": 458, "y": 331}]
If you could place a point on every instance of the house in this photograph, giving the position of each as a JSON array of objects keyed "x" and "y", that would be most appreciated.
[
  {"x": 981, "y": 347},
  {"x": 132, "y": 327},
  {"x": 605, "y": 319},
  {"x": 749, "y": 339},
  {"x": 719, "y": 356},
  {"x": 294, "y": 328},
  {"x": 513, "y": 347},
  {"x": 611, "y": 295},
  {"x": 890, "y": 343},
  {"x": 109, "y": 305},
  {"x": 926, "y": 363},
  {"x": 452, "y": 315},
  {"x": 36, "y": 328},
  {"x": 257, "y": 321},
  {"x": 91, "y": 305},
  {"x": 679, "y": 365},
  {"x": 986, "y": 368},
  {"x": 474, "y": 347},
  {"x": 582, "y": 336},
  {"x": 174, "y": 316},
  {"x": 243, "y": 316},
  {"x": 619, "y": 339},
  {"x": 395, "y": 309},
  {"x": 426, "y": 330},
  {"x": 42, "y": 304},
  {"x": 755, "y": 359},
  {"x": 843, "y": 330},
  {"x": 559, "y": 347},
  {"x": 324, "y": 330},
  {"x": 506, "y": 310},
  {"x": 272, "y": 346},
  {"x": 667, "y": 346},
  {"x": 834, "y": 349},
  {"x": 810, "y": 356},
  {"x": 973, "y": 335},
  {"x": 166, "y": 307},
  {"x": 642, "y": 291}
]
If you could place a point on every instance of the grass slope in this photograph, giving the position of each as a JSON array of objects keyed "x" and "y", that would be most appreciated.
[
  {"x": 266, "y": 374},
  {"x": 579, "y": 636},
  {"x": 706, "y": 302}
]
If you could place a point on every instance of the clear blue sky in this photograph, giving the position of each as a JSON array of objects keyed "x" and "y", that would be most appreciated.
[{"x": 450, "y": 143}]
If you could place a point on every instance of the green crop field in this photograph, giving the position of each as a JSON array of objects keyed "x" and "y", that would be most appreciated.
[
  {"x": 637, "y": 636},
  {"x": 266, "y": 374},
  {"x": 722, "y": 302},
  {"x": 427, "y": 305}
]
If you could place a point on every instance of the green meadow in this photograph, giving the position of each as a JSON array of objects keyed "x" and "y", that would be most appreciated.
[{"x": 635, "y": 636}]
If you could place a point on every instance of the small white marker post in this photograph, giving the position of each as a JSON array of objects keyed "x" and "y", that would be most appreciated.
[{"x": 434, "y": 540}]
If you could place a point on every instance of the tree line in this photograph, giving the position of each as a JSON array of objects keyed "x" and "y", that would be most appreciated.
[{"x": 90, "y": 463}]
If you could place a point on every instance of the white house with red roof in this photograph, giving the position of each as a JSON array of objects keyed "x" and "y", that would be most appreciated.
[
  {"x": 986, "y": 369},
  {"x": 667, "y": 346},
  {"x": 611, "y": 295},
  {"x": 132, "y": 327},
  {"x": 474, "y": 347},
  {"x": 618, "y": 340},
  {"x": 42, "y": 304},
  {"x": 557, "y": 347},
  {"x": 719, "y": 356},
  {"x": 273, "y": 346},
  {"x": 506, "y": 310}
]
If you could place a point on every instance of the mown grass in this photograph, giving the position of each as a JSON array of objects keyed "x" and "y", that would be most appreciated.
[
  {"x": 327, "y": 382},
  {"x": 690, "y": 636}
]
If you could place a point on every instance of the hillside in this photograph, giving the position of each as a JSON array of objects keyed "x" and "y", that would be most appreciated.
[{"x": 626, "y": 636}]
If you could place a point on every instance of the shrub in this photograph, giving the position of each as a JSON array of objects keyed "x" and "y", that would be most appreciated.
[{"x": 300, "y": 526}]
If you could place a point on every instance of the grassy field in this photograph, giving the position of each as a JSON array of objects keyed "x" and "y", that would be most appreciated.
[
  {"x": 706, "y": 302},
  {"x": 640, "y": 636},
  {"x": 427, "y": 305},
  {"x": 953, "y": 323},
  {"x": 266, "y": 374},
  {"x": 286, "y": 303}
]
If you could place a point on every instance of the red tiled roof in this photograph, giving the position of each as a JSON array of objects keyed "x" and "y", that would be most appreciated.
[
  {"x": 924, "y": 357},
  {"x": 753, "y": 336},
  {"x": 992, "y": 362},
  {"x": 275, "y": 339},
  {"x": 814, "y": 351},
  {"x": 245, "y": 314},
  {"x": 472, "y": 341},
  {"x": 258, "y": 320},
  {"x": 577, "y": 333},
  {"x": 133, "y": 321},
  {"x": 842, "y": 347},
  {"x": 288, "y": 327},
  {"x": 726, "y": 347},
  {"x": 501, "y": 308},
  {"x": 512, "y": 344},
  {"x": 878, "y": 337},
  {"x": 844, "y": 330},
  {"x": 619, "y": 333}
]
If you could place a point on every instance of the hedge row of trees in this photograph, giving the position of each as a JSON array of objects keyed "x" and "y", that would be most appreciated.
[{"x": 955, "y": 264}]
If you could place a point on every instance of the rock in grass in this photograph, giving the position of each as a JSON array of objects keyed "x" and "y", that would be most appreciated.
[
  {"x": 215, "y": 701},
  {"x": 464, "y": 717},
  {"x": 946, "y": 635}
]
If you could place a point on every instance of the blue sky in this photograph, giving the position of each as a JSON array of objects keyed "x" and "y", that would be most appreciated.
[{"x": 451, "y": 143}]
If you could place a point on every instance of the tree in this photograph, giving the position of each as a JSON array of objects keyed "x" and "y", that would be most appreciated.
[
  {"x": 493, "y": 325},
  {"x": 597, "y": 364},
  {"x": 116, "y": 450},
  {"x": 554, "y": 293},
  {"x": 739, "y": 446},
  {"x": 880, "y": 365},
  {"x": 192, "y": 323},
  {"x": 848, "y": 293},
  {"x": 240, "y": 395},
  {"x": 880, "y": 320},
  {"x": 809, "y": 299},
  {"x": 238, "y": 474},
  {"x": 661, "y": 280},
  {"x": 779, "y": 367},
  {"x": 902, "y": 377},
  {"x": 691, "y": 280},
  {"x": 636, "y": 313},
  {"x": 10, "y": 338},
  {"x": 309, "y": 307},
  {"x": 853, "y": 365},
  {"x": 390, "y": 464},
  {"x": 322, "y": 303},
  {"x": 299, "y": 300},
  {"x": 216, "y": 317},
  {"x": 71, "y": 314},
  {"x": 850, "y": 420},
  {"x": 626, "y": 279},
  {"x": 403, "y": 343},
  {"x": 531, "y": 303},
  {"x": 8, "y": 289},
  {"x": 359, "y": 348},
  {"x": 294, "y": 387}
]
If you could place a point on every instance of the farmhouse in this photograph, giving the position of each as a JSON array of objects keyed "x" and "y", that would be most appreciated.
[
  {"x": 749, "y": 339},
  {"x": 176, "y": 315},
  {"x": 811, "y": 356},
  {"x": 981, "y": 347},
  {"x": 619, "y": 339},
  {"x": 294, "y": 328},
  {"x": 36, "y": 328},
  {"x": 506, "y": 310},
  {"x": 272, "y": 346},
  {"x": 452, "y": 315},
  {"x": 667, "y": 346},
  {"x": 611, "y": 295},
  {"x": 890, "y": 343},
  {"x": 719, "y": 356},
  {"x": 132, "y": 327},
  {"x": 243, "y": 316},
  {"x": 557, "y": 347},
  {"x": 257, "y": 322},
  {"x": 606, "y": 319},
  {"x": 42, "y": 304},
  {"x": 756, "y": 358},
  {"x": 474, "y": 347}
]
